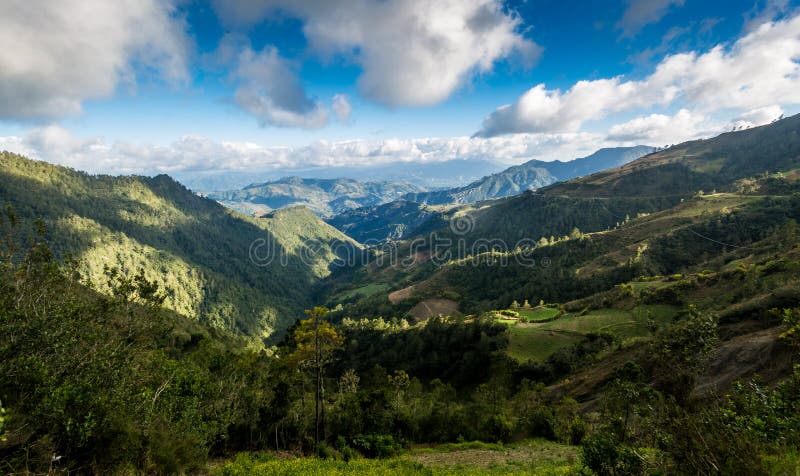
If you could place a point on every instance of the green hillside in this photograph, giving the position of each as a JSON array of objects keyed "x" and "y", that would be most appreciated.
[
  {"x": 712, "y": 164},
  {"x": 588, "y": 230},
  {"x": 198, "y": 250}
]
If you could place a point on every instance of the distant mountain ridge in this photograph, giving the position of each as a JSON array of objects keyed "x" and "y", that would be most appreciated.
[
  {"x": 326, "y": 197},
  {"x": 399, "y": 219},
  {"x": 431, "y": 174},
  {"x": 329, "y": 197},
  {"x": 531, "y": 175},
  {"x": 718, "y": 163}
]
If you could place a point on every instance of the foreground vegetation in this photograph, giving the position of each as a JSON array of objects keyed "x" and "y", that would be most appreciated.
[
  {"x": 106, "y": 384},
  {"x": 528, "y": 457}
]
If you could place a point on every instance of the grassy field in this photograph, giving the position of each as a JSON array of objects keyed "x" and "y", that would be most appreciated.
[
  {"x": 530, "y": 343},
  {"x": 462, "y": 459},
  {"x": 509, "y": 321},
  {"x": 537, "y": 314},
  {"x": 364, "y": 291},
  {"x": 537, "y": 341},
  {"x": 624, "y": 323}
]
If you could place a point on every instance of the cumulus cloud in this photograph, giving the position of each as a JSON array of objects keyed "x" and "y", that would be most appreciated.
[
  {"x": 756, "y": 117},
  {"x": 55, "y": 55},
  {"x": 639, "y": 13},
  {"x": 341, "y": 107},
  {"x": 271, "y": 92},
  {"x": 662, "y": 129},
  {"x": 758, "y": 70},
  {"x": 412, "y": 52},
  {"x": 192, "y": 153}
]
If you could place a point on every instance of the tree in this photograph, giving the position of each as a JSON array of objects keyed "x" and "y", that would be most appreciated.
[
  {"x": 316, "y": 341},
  {"x": 680, "y": 353}
]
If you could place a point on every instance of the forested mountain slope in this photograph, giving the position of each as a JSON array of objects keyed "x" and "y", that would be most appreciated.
[
  {"x": 540, "y": 224},
  {"x": 193, "y": 246},
  {"x": 716, "y": 163},
  {"x": 731, "y": 162}
]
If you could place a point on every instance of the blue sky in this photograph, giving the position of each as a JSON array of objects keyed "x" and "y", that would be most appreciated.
[{"x": 154, "y": 85}]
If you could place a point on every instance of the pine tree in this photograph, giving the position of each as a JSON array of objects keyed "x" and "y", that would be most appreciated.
[{"x": 316, "y": 341}]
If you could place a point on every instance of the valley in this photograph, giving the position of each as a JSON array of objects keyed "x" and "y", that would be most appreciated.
[
  {"x": 516, "y": 330},
  {"x": 399, "y": 237}
]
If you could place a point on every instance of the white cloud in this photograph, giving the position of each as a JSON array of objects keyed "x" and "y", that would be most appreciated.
[
  {"x": 756, "y": 117},
  {"x": 764, "y": 11},
  {"x": 271, "y": 92},
  {"x": 643, "y": 12},
  {"x": 661, "y": 129},
  {"x": 192, "y": 153},
  {"x": 412, "y": 52},
  {"x": 55, "y": 55},
  {"x": 759, "y": 70},
  {"x": 341, "y": 107}
]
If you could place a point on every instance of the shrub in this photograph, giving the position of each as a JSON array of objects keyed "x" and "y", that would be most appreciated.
[
  {"x": 377, "y": 446},
  {"x": 542, "y": 423},
  {"x": 605, "y": 455}
]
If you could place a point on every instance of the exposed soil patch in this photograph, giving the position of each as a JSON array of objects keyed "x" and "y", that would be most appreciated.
[
  {"x": 760, "y": 352},
  {"x": 433, "y": 307},
  {"x": 401, "y": 294},
  {"x": 528, "y": 456}
]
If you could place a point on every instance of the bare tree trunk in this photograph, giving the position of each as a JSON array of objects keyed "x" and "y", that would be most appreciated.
[
  {"x": 316, "y": 412},
  {"x": 322, "y": 404},
  {"x": 317, "y": 365}
]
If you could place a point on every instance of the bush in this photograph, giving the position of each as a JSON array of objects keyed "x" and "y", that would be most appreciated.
[
  {"x": 377, "y": 446},
  {"x": 542, "y": 423},
  {"x": 344, "y": 449},
  {"x": 577, "y": 430},
  {"x": 605, "y": 455},
  {"x": 498, "y": 428}
]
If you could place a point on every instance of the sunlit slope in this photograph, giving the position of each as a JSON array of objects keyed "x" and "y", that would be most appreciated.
[
  {"x": 197, "y": 249},
  {"x": 717, "y": 163}
]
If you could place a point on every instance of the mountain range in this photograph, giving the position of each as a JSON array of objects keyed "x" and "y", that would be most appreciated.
[
  {"x": 400, "y": 219},
  {"x": 438, "y": 174},
  {"x": 325, "y": 197},
  {"x": 753, "y": 162},
  {"x": 203, "y": 252},
  {"x": 531, "y": 175}
]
